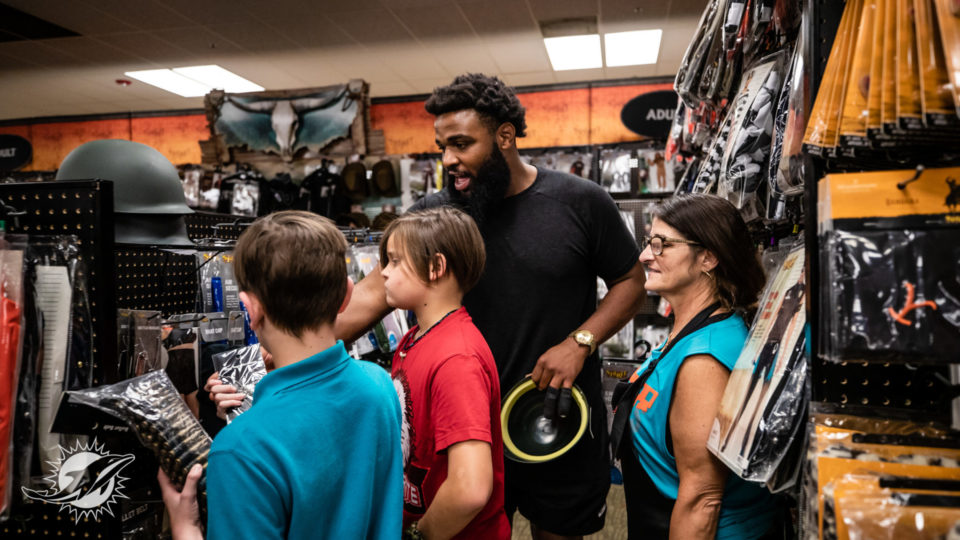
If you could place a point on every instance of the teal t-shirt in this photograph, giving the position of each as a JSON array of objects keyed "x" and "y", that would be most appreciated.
[
  {"x": 748, "y": 509},
  {"x": 317, "y": 456}
]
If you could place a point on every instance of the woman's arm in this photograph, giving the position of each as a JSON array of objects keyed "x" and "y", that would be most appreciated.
[{"x": 699, "y": 389}]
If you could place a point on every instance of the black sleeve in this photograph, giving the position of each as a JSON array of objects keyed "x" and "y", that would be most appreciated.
[{"x": 614, "y": 249}]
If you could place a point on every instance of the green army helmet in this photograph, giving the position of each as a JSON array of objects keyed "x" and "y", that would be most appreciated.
[{"x": 144, "y": 180}]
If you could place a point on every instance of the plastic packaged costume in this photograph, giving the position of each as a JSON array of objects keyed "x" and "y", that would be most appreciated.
[
  {"x": 890, "y": 259},
  {"x": 762, "y": 406},
  {"x": 154, "y": 411},
  {"x": 241, "y": 368}
]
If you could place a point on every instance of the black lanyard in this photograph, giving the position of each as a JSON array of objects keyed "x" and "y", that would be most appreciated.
[{"x": 626, "y": 392}]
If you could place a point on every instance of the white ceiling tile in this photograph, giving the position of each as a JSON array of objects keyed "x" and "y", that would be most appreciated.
[
  {"x": 253, "y": 36},
  {"x": 214, "y": 12},
  {"x": 197, "y": 41},
  {"x": 626, "y": 72},
  {"x": 268, "y": 75},
  {"x": 89, "y": 50},
  {"x": 547, "y": 10},
  {"x": 313, "y": 32},
  {"x": 426, "y": 86},
  {"x": 518, "y": 53},
  {"x": 145, "y": 46},
  {"x": 462, "y": 56},
  {"x": 498, "y": 16},
  {"x": 37, "y": 52},
  {"x": 411, "y": 62},
  {"x": 435, "y": 22},
  {"x": 373, "y": 26},
  {"x": 74, "y": 15},
  {"x": 143, "y": 14},
  {"x": 363, "y": 64}
]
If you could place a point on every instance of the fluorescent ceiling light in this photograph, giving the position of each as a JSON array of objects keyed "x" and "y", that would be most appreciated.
[
  {"x": 574, "y": 52},
  {"x": 170, "y": 81},
  {"x": 632, "y": 48},
  {"x": 216, "y": 77},
  {"x": 195, "y": 81}
]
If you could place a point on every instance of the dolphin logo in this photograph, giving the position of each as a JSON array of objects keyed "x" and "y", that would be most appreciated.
[{"x": 86, "y": 482}]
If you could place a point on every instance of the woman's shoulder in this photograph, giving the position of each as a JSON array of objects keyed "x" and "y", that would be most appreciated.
[{"x": 723, "y": 340}]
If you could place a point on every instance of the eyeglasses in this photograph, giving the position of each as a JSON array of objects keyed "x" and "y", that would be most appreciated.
[{"x": 657, "y": 242}]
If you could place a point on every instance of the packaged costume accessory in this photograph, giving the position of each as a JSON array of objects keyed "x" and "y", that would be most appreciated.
[{"x": 241, "y": 368}]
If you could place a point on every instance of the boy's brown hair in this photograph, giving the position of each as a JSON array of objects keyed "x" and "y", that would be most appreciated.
[
  {"x": 424, "y": 235},
  {"x": 294, "y": 263}
]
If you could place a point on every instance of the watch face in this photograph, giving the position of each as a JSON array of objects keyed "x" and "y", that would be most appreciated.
[{"x": 584, "y": 338}]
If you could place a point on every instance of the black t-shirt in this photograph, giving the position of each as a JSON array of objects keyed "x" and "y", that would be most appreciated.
[{"x": 545, "y": 248}]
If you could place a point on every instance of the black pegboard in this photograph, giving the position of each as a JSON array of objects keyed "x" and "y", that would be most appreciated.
[
  {"x": 83, "y": 209},
  {"x": 211, "y": 225},
  {"x": 154, "y": 279}
]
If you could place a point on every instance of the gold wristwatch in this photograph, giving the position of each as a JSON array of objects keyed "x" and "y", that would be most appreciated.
[{"x": 585, "y": 337}]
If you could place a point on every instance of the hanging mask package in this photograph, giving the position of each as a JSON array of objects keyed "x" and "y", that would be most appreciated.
[
  {"x": 747, "y": 151},
  {"x": 241, "y": 368},
  {"x": 762, "y": 408},
  {"x": 151, "y": 406},
  {"x": 890, "y": 260}
]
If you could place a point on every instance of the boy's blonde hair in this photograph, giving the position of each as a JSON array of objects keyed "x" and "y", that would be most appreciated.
[
  {"x": 294, "y": 263},
  {"x": 439, "y": 231}
]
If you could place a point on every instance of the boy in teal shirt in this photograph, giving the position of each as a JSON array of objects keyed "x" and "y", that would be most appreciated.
[{"x": 318, "y": 454}]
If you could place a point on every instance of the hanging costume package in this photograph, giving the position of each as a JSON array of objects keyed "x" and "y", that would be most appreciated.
[
  {"x": 762, "y": 407},
  {"x": 785, "y": 177},
  {"x": 217, "y": 282},
  {"x": 241, "y": 368},
  {"x": 616, "y": 170},
  {"x": 888, "y": 91},
  {"x": 903, "y": 517},
  {"x": 692, "y": 66},
  {"x": 152, "y": 408},
  {"x": 875, "y": 91},
  {"x": 949, "y": 26},
  {"x": 846, "y": 498},
  {"x": 936, "y": 97},
  {"x": 747, "y": 150},
  {"x": 11, "y": 300},
  {"x": 909, "y": 109},
  {"x": 181, "y": 349},
  {"x": 841, "y": 445},
  {"x": 821, "y": 133},
  {"x": 138, "y": 342},
  {"x": 854, "y": 113},
  {"x": 890, "y": 260},
  {"x": 710, "y": 169}
]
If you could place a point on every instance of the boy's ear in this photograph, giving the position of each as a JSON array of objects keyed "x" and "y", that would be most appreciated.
[
  {"x": 438, "y": 267},
  {"x": 254, "y": 309},
  {"x": 346, "y": 297}
]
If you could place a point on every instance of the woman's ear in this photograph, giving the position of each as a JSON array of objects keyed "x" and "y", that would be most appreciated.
[
  {"x": 709, "y": 261},
  {"x": 438, "y": 267}
]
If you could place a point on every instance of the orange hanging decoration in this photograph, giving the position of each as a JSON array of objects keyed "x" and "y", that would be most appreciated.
[{"x": 900, "y": 316}]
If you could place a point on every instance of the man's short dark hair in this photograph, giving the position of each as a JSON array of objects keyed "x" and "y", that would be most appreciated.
[
  {"x": 294, "y": 263},
  {"x": 493, "y": 100}
]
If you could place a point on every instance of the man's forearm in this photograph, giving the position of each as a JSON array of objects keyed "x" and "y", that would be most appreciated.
[{"x": 368, "y": 304}]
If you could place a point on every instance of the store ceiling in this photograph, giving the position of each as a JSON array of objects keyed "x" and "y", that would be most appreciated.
[{"x": 401, "y": 47}]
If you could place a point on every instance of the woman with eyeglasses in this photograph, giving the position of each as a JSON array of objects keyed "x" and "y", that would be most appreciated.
[{"x": 699, "y": 256}]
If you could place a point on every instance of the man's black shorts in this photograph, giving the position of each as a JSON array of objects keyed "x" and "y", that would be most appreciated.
[{"x": 566, "y": 496}]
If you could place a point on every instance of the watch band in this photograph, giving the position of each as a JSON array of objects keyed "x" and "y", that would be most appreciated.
[{"x": 592, "y": 345}]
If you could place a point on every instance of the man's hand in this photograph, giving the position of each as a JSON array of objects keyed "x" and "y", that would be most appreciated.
[
  {"x": 182, "y": 505},
  {"x": 224, "y": 396},
  {"x": 558, "y": 368}
]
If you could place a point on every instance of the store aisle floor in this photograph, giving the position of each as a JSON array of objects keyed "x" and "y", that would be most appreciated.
[{"x": 615, "y": 529}]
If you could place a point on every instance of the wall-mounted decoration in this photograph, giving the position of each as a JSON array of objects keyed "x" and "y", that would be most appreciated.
[{"x": 287, "y": 124}]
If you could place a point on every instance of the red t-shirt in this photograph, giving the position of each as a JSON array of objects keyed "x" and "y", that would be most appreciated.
[{"x": 450, "y": 393}]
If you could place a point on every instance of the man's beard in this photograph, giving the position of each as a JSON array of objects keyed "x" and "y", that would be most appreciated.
[{"x": 487, "y": 188}]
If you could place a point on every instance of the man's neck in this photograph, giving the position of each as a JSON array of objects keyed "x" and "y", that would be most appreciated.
[
  {"x": 287, "y": 349},
  {"x": 522, "y": 175}
]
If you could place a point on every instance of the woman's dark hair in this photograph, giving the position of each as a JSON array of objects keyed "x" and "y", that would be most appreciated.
[
  {"x": 493, "y": 100},
  {"x": 717, "y": 226}
]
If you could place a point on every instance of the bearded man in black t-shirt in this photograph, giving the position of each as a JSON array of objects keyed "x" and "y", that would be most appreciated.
[{"x": 548, "y": 236}]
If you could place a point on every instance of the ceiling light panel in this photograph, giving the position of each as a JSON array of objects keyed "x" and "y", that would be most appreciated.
[
  {"x": 170, "y": 81},
  {"x": 574, "y": 52},
  {"x": 216, "y": 77},
  {"x": 632, "y": 48}
]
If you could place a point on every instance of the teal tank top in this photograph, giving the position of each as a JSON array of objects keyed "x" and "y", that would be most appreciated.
[{"x": 748, "y": 510}]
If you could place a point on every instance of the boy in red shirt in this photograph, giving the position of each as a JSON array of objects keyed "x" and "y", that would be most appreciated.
[{"x": 447, "y": 380}]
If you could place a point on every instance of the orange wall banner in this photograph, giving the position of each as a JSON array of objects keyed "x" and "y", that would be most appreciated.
[{"x": 576, "y": 117}]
